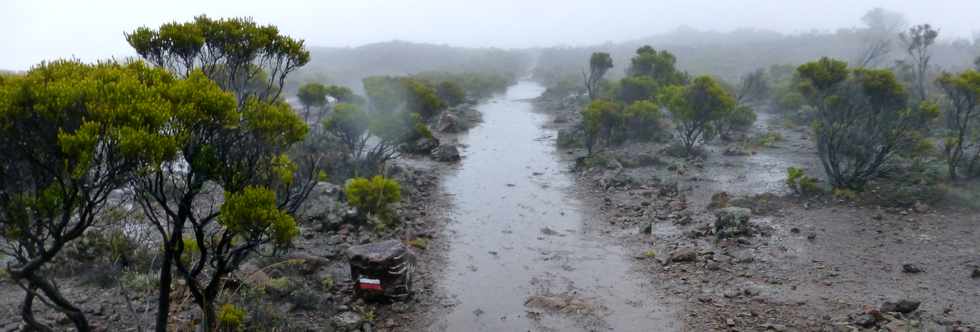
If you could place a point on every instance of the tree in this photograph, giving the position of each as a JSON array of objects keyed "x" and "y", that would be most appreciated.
[
  {"x": 599, "y": 64},
  {"x": 976, "y": 64},
  {"x": 738, "y": 120},
  {"x": 371, "y": 140},
  {"x": 696, "y": 108},
  {"x": 881, "y": 27},
  {"x": 312, "y": 95},
  {"x": 71, "y": 133},
  {"x": 421, "y": 98},
  {"x": 237, "y": 148},
  {"x": 232, "y": 52},
  {"x": 963, "y": 107},
  {"x": 863, "y": 119},
  {"x": 601, "y": 120},
  {"x": 661, "y": 66},
  {"x": 917, "y": 41},
  {"x": 636, "y": 88},
  {"x": 753, "y": 87}
]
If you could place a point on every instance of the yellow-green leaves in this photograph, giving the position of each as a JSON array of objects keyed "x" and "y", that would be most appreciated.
[
  {"x": 824, "y": 73},
  {"x": 372, "y": 196},
  {"x": 252, "y": 213},
  {"x": 275, "y": 123}
]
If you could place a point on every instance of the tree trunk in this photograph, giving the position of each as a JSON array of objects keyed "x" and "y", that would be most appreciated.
[
  {"x": 27, "y": 313},
  {"x": 163, "y": 302},
  {"x": 210, "y": 316}
]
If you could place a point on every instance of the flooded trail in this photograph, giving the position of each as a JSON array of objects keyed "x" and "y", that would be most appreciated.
[{"x": 520, "y": 256}]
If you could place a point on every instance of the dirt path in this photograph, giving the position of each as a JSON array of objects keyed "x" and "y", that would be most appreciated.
[{"x": 520, "y": 255}]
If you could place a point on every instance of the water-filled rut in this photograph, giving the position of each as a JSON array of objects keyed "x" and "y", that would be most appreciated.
[{"x": 520, "y": 256}]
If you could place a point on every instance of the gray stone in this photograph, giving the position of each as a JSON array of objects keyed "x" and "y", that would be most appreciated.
[
  {"x": 446, "y": 153},
  {"x": 449, "y": 123},
  {"x": 347, "y": 321},
  {"x": 683, "y": 255},
  {"x": 903, "y": 306}
]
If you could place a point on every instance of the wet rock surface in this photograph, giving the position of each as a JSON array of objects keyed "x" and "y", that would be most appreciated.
[{"x": 811, "y": 264}]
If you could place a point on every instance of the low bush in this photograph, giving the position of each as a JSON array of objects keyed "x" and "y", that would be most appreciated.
[
  {"x": 230, "y": 317},
  {"x": 373, "y": 196},
  {"x": 800, "y": 183}
]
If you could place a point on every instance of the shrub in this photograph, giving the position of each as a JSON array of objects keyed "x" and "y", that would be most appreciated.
[
  {"x": 372, "y": 196},
  {"x": 420, "y": 243},
  {"x": 800, "y": 183},
  {"x": 230, "y": 317},
  {"x": 602, "y": 119},
  {"x": 863, "y": 119},
  {"x": 643, "y": 119},
  {"x": 696, "y": 109},
  {"x": 739, "y": 120}
]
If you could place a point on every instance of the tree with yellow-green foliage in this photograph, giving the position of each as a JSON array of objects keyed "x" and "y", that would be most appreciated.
[
  {"x": 236, "y": 144},
  {"x": 863, "y": 118},
  {"x": 71, "y": 133},
  {"x": 601, "y": 120},
  {"x": 962, "y": 120},
  {"x": 696, "y": 108}
]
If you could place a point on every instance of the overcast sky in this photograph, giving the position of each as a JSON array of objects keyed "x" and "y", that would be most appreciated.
[{"x": 36, "y": 30}]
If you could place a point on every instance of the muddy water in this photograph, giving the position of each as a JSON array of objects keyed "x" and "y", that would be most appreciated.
[{"x": 518, "y": 232}]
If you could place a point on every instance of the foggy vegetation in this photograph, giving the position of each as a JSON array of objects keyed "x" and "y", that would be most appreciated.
[{"x": 228, "y": 175}]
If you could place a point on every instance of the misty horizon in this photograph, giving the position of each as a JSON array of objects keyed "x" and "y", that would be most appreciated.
[{"x": 91, "y": 32}]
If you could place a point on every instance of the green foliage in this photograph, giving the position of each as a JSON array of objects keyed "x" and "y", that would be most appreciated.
[
  {"x": 739, "y": 120},
  {"x": 800, "y": 183},
  {"x": 231, "y": 317},
  {"x": 422, "y": 99},
  {"x": 601, "y": 120},
  {"x": 230, "y": 51},
  {"x": 252, "y": 213},
  {"x": 696, "y": 109},
  {"x": 451, "y": 93},
  {"x": 387, "y": 93},
  {"x": 327, "y": 283},
  {"x": 862, "y": 119},
  {"x": 768, "y": 139},
  {"x": 71, "y": 133},
  {"x": 420, "y": 243},
  {"x": 312, "y": 95},
  {"x": 644, "y": 119},
  {"x": 473, "y": 84},
  {"x": 232, "y": 136},
  {"x": 659, "y": 65},
  {"x": 962, "y": 115},
  {"x": 599, "y": 64},
  {"x": 372, "y": 196},
  {"x": 636, "y": 88}
]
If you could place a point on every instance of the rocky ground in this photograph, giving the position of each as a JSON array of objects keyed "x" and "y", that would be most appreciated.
[
  {"x": 816, "y": 264},
  {"x": 307, "y": 289}
]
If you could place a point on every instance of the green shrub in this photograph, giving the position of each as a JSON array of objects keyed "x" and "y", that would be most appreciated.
[
  {"x": 644, "y": 120},
  {"x": 372, "y": 196},
  {"x": 800, "y": 183},
  {"x": 739, "y": 120},
  {"x": 230, "y": 317},
  {"x": 768, "y": 139},
  {"x": 420, "y": 243},
  {"x": 327, "y": 283}
]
